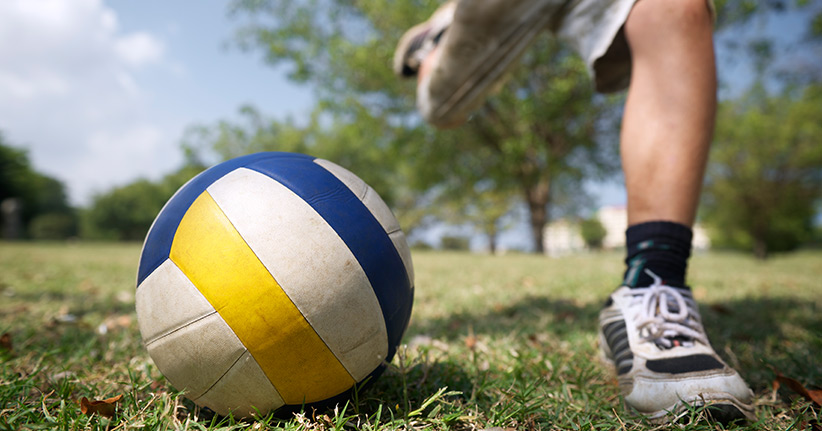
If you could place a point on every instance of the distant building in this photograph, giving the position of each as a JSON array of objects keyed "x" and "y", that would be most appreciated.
[
  {"x": 701, "y": 241},
  {"x": 615, "y": 220},
  {"x": 563, "y": 236}
]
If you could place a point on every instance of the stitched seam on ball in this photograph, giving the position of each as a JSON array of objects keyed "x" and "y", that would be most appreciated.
[
  {"x": 165, "y": 334},
  {"x": 224, "y": 374}
]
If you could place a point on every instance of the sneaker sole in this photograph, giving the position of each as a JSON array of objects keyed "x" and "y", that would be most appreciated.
[
  {"x": 490, "y": 68},
  {"x": 408, "y": 38},
  {"x": 722, "y": 407}
]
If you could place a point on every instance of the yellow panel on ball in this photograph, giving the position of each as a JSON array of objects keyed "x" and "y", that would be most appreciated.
[
  {"x": 210, "y": 251},
  {"x": 312, "y": 264}
]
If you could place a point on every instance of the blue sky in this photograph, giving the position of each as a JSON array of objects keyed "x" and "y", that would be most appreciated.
[{"x": 100, "y": 91}]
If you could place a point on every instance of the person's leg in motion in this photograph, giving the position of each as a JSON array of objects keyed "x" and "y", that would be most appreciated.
[
  {"x": 666, "y": 131},
  {"x": 650, "y": 328}
]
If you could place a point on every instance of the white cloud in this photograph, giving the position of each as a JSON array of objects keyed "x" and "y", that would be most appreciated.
[
  {"x": 133, "y": 145},
  {"x": 32, "y": 85},
  {"x": 139, "y": 49},
  {"x": 70, "y": 91}
]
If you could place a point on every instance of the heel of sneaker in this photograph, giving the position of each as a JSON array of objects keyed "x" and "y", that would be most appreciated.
[{"x": 605, "y": 356}]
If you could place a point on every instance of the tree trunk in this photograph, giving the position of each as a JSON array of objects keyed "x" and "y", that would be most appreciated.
[
  {"x": 492, "y": 239},
  {"x": 537, "y": 197},
  {"x": 760, "y": 248}
]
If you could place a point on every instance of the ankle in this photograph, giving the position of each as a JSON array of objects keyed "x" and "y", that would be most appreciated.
[{"x": 662, "y": 247}]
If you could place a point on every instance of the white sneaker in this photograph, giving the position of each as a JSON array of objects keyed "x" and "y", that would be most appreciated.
[
  {"x": 479, "y": 41},
  {"x": 421, "y": 39},
  {"x": 664, "y": 362}
]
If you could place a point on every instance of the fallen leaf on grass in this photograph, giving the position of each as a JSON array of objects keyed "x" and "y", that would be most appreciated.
[
  {"x": 814, "y": 395},
  {"x": 721, "y": 309},
  {"x": 105, "y": 407},
  {"x": 471, "y": 339},
  {"x": 565, "y": 316},
  {"x": 5, "y": 342},
  {"x": 471, "y": 342}
]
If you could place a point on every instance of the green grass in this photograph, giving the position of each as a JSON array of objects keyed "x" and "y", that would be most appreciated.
[{"x": 494, "y": 341}]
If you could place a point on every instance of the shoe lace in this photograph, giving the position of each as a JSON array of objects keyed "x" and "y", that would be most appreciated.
[{"x": 666, "y": 316}]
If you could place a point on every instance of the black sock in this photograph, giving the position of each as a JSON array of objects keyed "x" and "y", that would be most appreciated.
[{"x": 661, "y": 247}]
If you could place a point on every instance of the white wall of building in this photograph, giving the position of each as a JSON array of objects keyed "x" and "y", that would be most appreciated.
[{"x": 563, "y": 237}]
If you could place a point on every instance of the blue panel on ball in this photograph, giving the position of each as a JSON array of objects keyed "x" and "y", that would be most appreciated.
[
  {"x": 357, "y": 227},
  {"x": 161, "y": 235}
]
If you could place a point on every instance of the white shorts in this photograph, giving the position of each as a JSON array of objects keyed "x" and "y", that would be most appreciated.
[{"x": 595, "y": 29}]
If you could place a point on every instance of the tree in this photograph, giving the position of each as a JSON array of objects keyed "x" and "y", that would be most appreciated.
[
  {"x": 43, "y": 198},
  {"x": 593, "y": 232},
  {"x": 759, "y": 193},
  {"x": 543, "y": 135},
  {"x": 790, "y": 58},
  {"x": 126, "y": 213},
  {"x": 486, "y": 208},
  {"x": 51, "y": 217},
  {"x": 15, "y": 171},
  {"x": 544, "y": 125},
  {"x": 765, "y": 176}
]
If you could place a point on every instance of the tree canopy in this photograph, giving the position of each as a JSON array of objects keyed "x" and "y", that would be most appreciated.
[
  {"x": 44, "y": 209},
  {"x": 125, "y": 213},
  {"x": 765, "y": 179},
  {"x": 540, "y": 136}
]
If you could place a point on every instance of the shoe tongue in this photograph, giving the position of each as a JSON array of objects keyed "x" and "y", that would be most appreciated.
[{"x": 678, "y": 341}]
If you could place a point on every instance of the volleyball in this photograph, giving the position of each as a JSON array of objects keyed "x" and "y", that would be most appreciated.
[{"x": 272, "y": 280}]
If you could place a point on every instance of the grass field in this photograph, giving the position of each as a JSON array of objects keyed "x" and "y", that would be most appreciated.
[{"x": 504, "y": 342}]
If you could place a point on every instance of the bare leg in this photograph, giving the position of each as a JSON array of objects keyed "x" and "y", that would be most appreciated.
[{"x": 669, "y": 114}]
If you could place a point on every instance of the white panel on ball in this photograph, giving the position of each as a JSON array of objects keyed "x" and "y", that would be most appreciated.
[
  {"x": 170, "y": 299},
  {"x": 400, "y": 243}
]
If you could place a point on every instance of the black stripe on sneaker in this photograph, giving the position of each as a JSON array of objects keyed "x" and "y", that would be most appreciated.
[
  {"x": 616, "y": 335},
  {"x": 684, "y": 364}
]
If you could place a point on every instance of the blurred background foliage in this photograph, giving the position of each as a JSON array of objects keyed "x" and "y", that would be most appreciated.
[
  {"x": 39, "y": 202},
  {"x": 529, "y": 150}
]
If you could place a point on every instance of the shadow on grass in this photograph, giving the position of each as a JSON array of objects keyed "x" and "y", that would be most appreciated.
[
  {"x": 760, "y": 335},
  {"x": 527, "y": 316},
  {"x": 754, "y": 335},
  {"x": 79, "y": 302}
]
